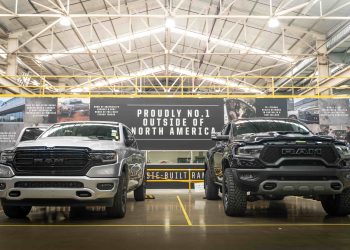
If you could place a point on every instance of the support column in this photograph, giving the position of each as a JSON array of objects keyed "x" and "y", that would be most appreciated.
[
  {"x": 12, "y": 44},
  {"x": 323, "y": 62}
]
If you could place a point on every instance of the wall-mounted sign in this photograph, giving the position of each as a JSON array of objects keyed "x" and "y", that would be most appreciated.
[
  {"x": 164, "y": 123},
  {"x": 174, "y": 176}
]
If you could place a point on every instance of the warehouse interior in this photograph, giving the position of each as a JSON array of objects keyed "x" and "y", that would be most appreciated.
[{"x": 174, "y": 72}]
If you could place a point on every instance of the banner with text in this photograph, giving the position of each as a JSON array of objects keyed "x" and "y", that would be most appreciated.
[{"x": 164, "y": 123}]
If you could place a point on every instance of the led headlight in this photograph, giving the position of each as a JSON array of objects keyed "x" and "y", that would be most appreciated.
[
  {"x": 7, "y": 156},
  {"x": 104, "y": 156},
  {"x": 343, "y": 150},
  {"x": 107, "y": 171},
  {"x": 6, "y": 172},
  {"x": 249, "y": 150}
]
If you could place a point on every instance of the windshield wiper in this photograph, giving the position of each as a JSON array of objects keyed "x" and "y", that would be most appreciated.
[
  {"x": 99, "y": 137},
  {"x": 292, "y": 132}
]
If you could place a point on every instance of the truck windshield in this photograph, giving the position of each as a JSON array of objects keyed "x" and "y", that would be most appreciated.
[
  {"x": 264, "y": 126},
  {"x": 91, "y": 130}
]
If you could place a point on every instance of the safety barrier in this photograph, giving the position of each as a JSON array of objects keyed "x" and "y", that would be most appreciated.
[{"x": 182, "y": 86}]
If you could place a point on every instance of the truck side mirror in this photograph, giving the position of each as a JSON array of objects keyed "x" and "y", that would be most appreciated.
[
  {"x": 220, "y": 137},
  {"x": 129, "y": 142}
]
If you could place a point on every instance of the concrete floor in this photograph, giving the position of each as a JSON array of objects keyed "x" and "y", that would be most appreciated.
[{"x": 161, "y": 223}]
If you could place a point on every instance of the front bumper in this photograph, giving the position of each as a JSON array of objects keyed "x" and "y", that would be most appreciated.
[
  {"x": 58, "y": 193},
  {"x": 293, "y": 180}
]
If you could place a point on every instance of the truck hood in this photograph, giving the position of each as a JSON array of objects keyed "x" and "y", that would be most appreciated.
[
  {"x": 72, "y": 141},
  {"x": 275, "y": 136}
]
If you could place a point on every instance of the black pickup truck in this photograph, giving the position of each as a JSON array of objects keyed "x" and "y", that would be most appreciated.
[{"x": 272, "y": 158}]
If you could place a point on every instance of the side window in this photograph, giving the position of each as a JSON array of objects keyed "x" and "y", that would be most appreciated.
[
  {"x": 31, "y": 134},
  {"x": 129, "y": 137},
  {"x": 125, "y": 133},
  {"x": 223, "y": 130},
  {"x": 227, "y": 129}
]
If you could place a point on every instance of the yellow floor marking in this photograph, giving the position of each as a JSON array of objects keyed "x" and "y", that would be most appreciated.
[
  {"x": 161, "y": 225},
  {"x": 184, "y": 211}
]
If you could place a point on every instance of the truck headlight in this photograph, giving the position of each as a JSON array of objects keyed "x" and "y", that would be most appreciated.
[
  {"x": 104, "y": 157},
  {"x": 6, "y": 172},
  {"x": 107, "y": 171},
  {"x": 7, "y": 156},
  {"x": 343, "y": 150},
  {"x": 249, "y": 150}
]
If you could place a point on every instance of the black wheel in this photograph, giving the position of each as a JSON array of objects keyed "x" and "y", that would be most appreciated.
[
  {"x": 337, "y": 205},
  {"x": 16, "y": 211},
  {"x": 211, "y": 189},
  {"x": 234, "y": 198},
  {"x": 118, "y": 209},
  {"x": 140, "y": 192}
]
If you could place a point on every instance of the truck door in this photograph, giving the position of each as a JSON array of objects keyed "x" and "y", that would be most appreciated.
[
  {"x": 135, "y": 160},
  {"x": 219, "y": 153}
]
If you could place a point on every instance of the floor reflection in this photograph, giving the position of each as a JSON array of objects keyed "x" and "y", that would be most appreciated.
[{"x": 165, "y": 210}]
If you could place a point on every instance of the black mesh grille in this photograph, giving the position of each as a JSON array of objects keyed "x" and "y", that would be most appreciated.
[
  {"x": 247, "y": 163},
  {"x": 49, "y": 184},
  {"x": 272, "y": 153},
  {"x": 57, "y": 161},
  {"x": 303, "y": 178}
]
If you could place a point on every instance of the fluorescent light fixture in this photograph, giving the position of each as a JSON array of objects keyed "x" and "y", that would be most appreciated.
[
  {"x": 182, "y": 71},
  {"x": 77, "y": 90},
  {"x": 273, "y": 22},
  {"x": 65, "y": 21},
  {"x": 220, "y": 81},
  {"x": 104, "y": 43},
  {"x": 150, "y": 32},
  {"x": 170, "y": 22},
  {"x": 35, "y": 83},
  {"x": 111, "y": 81},
  {"x": 230, "y": 44}
]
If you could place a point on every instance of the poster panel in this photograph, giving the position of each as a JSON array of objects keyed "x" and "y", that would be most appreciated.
[
  {"x": 73, "y": 109},
  {"x": 9, "y": 133},
  {"x": 11, "y": 120},
  {"x": 239, "y": 108},
  {"x": 40, "y": 111},
  {"x": 271, "y": 108},
  {"x": 164, "y": 124},
  {"x": 334, "y": 111},
  {"x": 12, "y": 109}
]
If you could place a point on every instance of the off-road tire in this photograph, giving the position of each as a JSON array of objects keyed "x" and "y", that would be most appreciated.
[
  {"x": 140, "y": 192},
  {"x": 211, "y": 189},
  {"x": 118, "y": 209},
  {"x": 234, "y": 198},
  {"x": 337, "y": 205},
  {"x": 16, "y": 212}
]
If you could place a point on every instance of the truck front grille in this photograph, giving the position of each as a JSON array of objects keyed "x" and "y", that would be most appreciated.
[
  {"x": 56, "y": 161},
  {"x": 299, "y": 154},
  {"x": 49, "y": 184}
]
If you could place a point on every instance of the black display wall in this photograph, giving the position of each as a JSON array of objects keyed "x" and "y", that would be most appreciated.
[{"x": 168, "y": 124}]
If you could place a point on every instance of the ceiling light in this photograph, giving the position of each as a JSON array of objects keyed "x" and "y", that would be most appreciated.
[
  {"x": 104, "y": 43},
  {"x": 65, "y": 21},
  {"x": 77, "y": 90},
  {"x": 170, "y": 22},
  {"x": 150, "y": 32},
  {"x": 273, "y": 22},
  {"x": 171, "y": 68}
]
